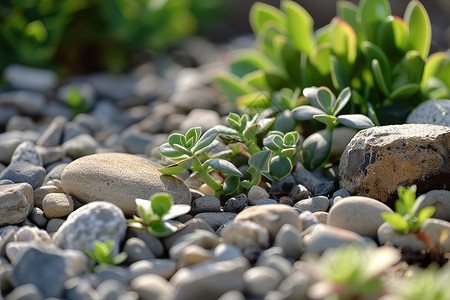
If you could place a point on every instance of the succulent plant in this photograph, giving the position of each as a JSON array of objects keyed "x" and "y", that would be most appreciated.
[
  {"x": 382, "y": 58},
  {"x": 153, "y": 214},
  {"x": 325, "y": 109},
  {"x": 103, "y": 253}
]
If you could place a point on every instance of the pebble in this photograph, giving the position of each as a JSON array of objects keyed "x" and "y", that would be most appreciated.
[
  {"x": 264, "y": 201},
  {"x": 119, "y": 179},
  {"x": 54, "y": 224},
  {"x": 321, "y": 237},
  {"x": 192, "y": 255},
  {"x": 379, "y": 159},
  {"x": 135, "y": 141},
  {"x": 21, "y": 171},
  {"x": 325, "y": 189},
  {"x": 137, "y": 250},
  {"x": 245, "y": 234},
  {"x": 358, "y": 214},
  {"x": 16, "y": 203},
  {"x": 55, "y": 172},
  {"x": 190, "y": 227},
  {"x": 41, "y": 192},
  {"x": 203, "y": 204},
  {"x": 152, "y": 286},
  {"x": 72, "y": 130},
  {"x": 308, "y": 219},
  {"x": 256, "y": 193},
  {"x": 198, "y": 98},
  {"x": 306, "y": 178},
  {"x": 96, "y": 221},
  {"x": 209, "y": 280},
  {"x": 290, "y": 240},
  {"x": 260, "y": 280},
  {"x": 80, "y": 146},
  {"x": 161, "y": 267},
  {"x": 38, "y": 217},
  {"x": 277, "y": 262},
  {"x": 26, "y": 102},
  {"x": 299, "y": 192},
  {"x": 50, "y": 155},
  {"x": 280, "y": 187},
  {"x": 232, "y": 295},
  {"x": 47, "y": 271},
  {"x": 340, "y": 138},
  {"x": 199, "y": 117},
  {"x": 321, "y": 216},
  {"x": 434, "y": 111},
  {"x": 152, "y": 242},
  {"x": 225, "y": 251},
  {"x": 57, "y": 205},
  {"x": 314, "y": 204},
  {"x": 202, "y": 238},
  {"x": 216, "y": 219},
  {"x": 79, "y": 289},
  {"x": 29, "y": 233},
  {"x": 25, "y": 77},
  {"x": 295, "y": 286},
  {"x": 26, "y": 152},
  {"x": 107, "y": 273},
  {"x": 271, "y": 216},
  {"x": 441, "y": 200},
  {"x": 341, "y": 193},
  {"x": 7, "y": 148},
  {"x": 236, "y": 204},
  {"x": 52, "y": 136}
]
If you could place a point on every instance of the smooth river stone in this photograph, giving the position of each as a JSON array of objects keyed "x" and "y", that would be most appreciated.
[{"x": 119, "y": 179}]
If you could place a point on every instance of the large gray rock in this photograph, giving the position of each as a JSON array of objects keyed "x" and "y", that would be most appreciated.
[
  {"x": 16, "y": 202},
  {"x": 120, "y": 179},
  {"x": 24, "y": 77},
  {"x": 435, "y": 112},
  {"x": 379, "y": 159}
]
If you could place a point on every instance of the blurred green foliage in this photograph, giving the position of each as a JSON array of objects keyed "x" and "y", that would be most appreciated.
[{"x": 81, "y": 35}]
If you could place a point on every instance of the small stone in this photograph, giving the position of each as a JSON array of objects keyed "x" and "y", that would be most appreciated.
[
  {"x": 52, "y": 136},
  {"x": 325, "y": 189},
  {"x": 198, "y": 98},
  {"x": 77, "y": 288},
  {"x": 306, "y": 178},
  {"x": 201, "y": 238},
  {"x": 73, "y": 130},
  {"x": 299, "y": 192},
  {"x": 206, "y": 203},
  {"x": 151, "y": 241},
  {"x": 209, "y": 280},
  {"x": 135, "y": 141},
  {"x": 264, "y": 201},
  {"x": 358, "y": 214},
  {"x": 24, "y": 77},
  {"x": 26, "y": 152},
  {"x": 55, "y": 172},
  {"x": 54, "y": 224},
  {"x": 245, "y": 234},
  {"x": 50, "y": 155},
  {"x": 232, "y": 295},
  {"x": 341, "y": 193},
  {"x": 321, "y": 216},
  {"x": 192, "y": 255},
  {"x": 151, "y": 286},
  {"x": 203, "y": 118},
  {"x": 190, "y": 227},
  {"x": 45, "y": 270},
  {"x": 271, "y": 216},
  {"x": 255, "y": 193},
  {"x": 113, "y": 289},
  {"x": 26, "y": 102},
  {"x": 236, "y": 204},
  {"x": 57, "y": 205},
  {"x": 308, "y": 219},
  {"x": 96, "y": 221},
  {"x": 7, "y": 148},
  {"x": 314, "y": 204},
  {"x": 340, "y": 138},
  {"x": 20, "y": 123},
  {"x": 162, "y": 267},
  {"x": 26, "y": 291},
  {"x": 321, "y": 237},
  {"x": 16, "y": 202},
  {"x": 260, "y": 280},
  {"x": 80, "y": 145},
  {"x": 286, "y": 201},
  {"x": 137, "y": 250},
  {"x": 439, "y": 199},
  {"x": 435, "y": 112},
  {"x": 37, "y": 216},
  {"x": 290, "y": 240},
  {"x": 295, "y": 286},
  {"x": 282, "y": 187},
  {"x": 41, "y": 192},
  {"x": 112, "y": 273},
  {"x": 216, "y": 219},
  {"x": 224, "y": 251},
  {"x": 28, "y": 233},
  {"x": 277, "y": 262},
  {"x": 21, "y": 171}
]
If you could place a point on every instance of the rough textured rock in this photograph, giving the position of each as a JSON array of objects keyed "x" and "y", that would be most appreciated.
[
  {"x": 379, "y": 159},
  {"x": 120, "y": 179},
  {"x": 16, "y": 202},
  {"x": 431, "y": 112}
]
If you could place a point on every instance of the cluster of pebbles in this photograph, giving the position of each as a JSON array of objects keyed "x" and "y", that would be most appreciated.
[{"x": 66, "y": 182}]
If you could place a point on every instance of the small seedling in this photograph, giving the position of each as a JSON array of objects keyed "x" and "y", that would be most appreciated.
[
  {"x": 408, "y": 218},
  {"x": 153, "y": 214},
  {"x": 103, "y": 253}
]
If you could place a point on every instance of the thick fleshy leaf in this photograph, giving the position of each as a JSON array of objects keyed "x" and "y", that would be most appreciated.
[
  {"x": 260, "y": 161},
  {"x": 379, "y": 77},
  {"x": 409, "y": 70},
  {"x": 176, "y": 138},
  {"x": 326, "y": 99},
  {"x": 221, "y": 129},
  {"x": 289, "y": 56},
  {"x": 396, "y": 221},
  {"x": 392, "y": 35},
  {"x": 342, "y": 100},
  {"x": 404, "y": 92},
  {"x": 371, "y": 52},
  {"x": 300, "y": 26},
  {"x": 264, "y": 124},
  {"x": 176, "y": 210},
  {"x": 161, "y": 203},
  {"x": 280, "y": 167},
  {"x": 250, "y": 132},
  {"x": 357, "y": 121},
  {"x": 370, "y": 14},
  {"x": 206, "y": 139},
  {"x": 306, "y": 112},
  {"x": 167, "y": 151},
  {"x": 224, "y": 166},
  {"x": 161, "y": 229},
  {"x": 347, "y": 11},
  {"x": 243, "y": 121},
  {"x": 320, "y": 58},
  {"x": 261, "y": 14},
  {"x": 256, "y": 79},
  {"x": 425, "y": 213},
  {"x": 291, "y": 138},
  {"x": 343, "y": 42},
  {"x": 311, "y": 94},
  {"x": 230, "y": 85},
  {"x": 372, "y": 114},
  {"x": 315, "y": 149},
  {"x": 259, "y": 99},
  {"x": 173, "y": 169},
  {"x": 211, "y": 146},
  {"x": 326, "y": 119},
  {"x": 182, "y": 149},
  {"x": 437, "y": 65},
  {"x": 230, "y": 184},
  {"x": 192, "y": 136},
  {"x": 269, "y": 143},
  {"x": 249, "y": 60},
  {"x": 419, "y": 28},
  {"x": 338, "y": 74}
]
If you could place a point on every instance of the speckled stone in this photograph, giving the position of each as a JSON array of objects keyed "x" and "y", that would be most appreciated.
[
  {"x": 119, "y": 179},
  {"x": 16, "y": 202},
  {"x": 435, "y": 112}
]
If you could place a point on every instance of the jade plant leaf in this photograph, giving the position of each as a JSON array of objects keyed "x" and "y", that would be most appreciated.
[
  {"x": 231, "y": 86},
  {"x": 392, "y": 35},
  {"x": 168, "y": 151},
  {"x": 343, "y": 42},
  {"x": 437, "y": 65},
  {"x": 300, "y": 26},
  {"x": 260, "y": 161},
  {"x": 161, "y": 203},
  {"x": 379, "y": 77},
  {"x": 338, "y": 74},
  {"x": 315, "y": 149},
  {"x": 357, "y": 121},
  {"x": 306, "y": 112},
  {"x": 347, "y": 11},
  {"x": 206, "y": 139},
  {"x": 224, "y": 166},
  {"x": 370, "y": 14},
  {"x": 419, "y": 28},
  {"x": 409, "y": 70},
  {"x": 176, "y": 210},
  {"x": 173, "y": 169},
  {"x": 254, "y": 100},
  {"x": 371, "y": 52},
  {"x": 404, "y": 91},
  {"x": 280, "y": 167},
  {"x": 261, "y": 14},
  {"x": 320, "y": 58},
  {"x": 249, "y": 60},
  {"x": 230, "y": 184},
  {"x": 289, "y": 56},
  {"x": 342, "y": 100},
  {"x": 326, "y": 99},
  {"x": 328, "y": 120}
]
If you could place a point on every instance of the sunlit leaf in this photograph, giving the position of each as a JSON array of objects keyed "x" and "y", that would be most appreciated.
[
  {"x": 320, "y": 58},
  {"x": 404, "y": 91},
  {"x": 343, "y": 42},
  {"x": 166, "y": 150},
  {"x": 425, "y": 213},
  {"x": 326, "y": 99},
  {"x": 260, "y": 161},
  {"x": 280, "y": 167},
  {"x": 396, "y": 221},
  {"x": 342, "y": 100},
  {"x": 370, "y": 14},
  {"x": 256, "y": 99},
  {"x": 315, "y": 149},
  {"x": 248, "y": 60},
  {"x": 173, "y": 169},
  {"x": 437, "y": 65},
  {"x": 392, "y": 35},
  {"x": 338, "y": 74},
  {"x": 176, "y": 138},
  {"x": 224, "y": 166},
  {"x": 306, "y": 112},
  {"x": 379, "y": 77},
  {"x": 261, "y": 13},
  {"x": 357, "y": 121},
  {"x": 161, "y": 203},
  {"x": 230, "y": 85},
  {"x": 419, "y": 28},
  {"x": 176, "y": 210},
  {"x": 205, "y": 140}
]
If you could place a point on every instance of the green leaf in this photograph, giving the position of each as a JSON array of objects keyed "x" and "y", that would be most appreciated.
[
  {"x": 401, "y": 208},
  {"x": 396, "y": 221},
  {"x": 260, "y": 161},
  {"x": 326, "y": 119},
  {"x": 326, "y": 99},
  {"x": 211, "y": 146},
  {"x": 338, "y": 74},
  {"x": 409, "y": 70},
  {"x": 320, "y": 58},
  {"x": 256, "y": 79},
  {"x": 248, "y": 60},
  {"x": 250, "y": 132},
  {"x": 264, "y": 124},
  {"x": 176, "y": 138},
  {"x": 36, "y": 30},
  {"x": 300, "y": 26},
  {"x": 404, "y": 91},
  {"x": 379, "y": 77},
  {"x": 173, "y": 169},
  {"x": 437, "y": 65},
  {"x": 289, "y": 152},
  {"x": 343, "y": 42},
  {"x": 269, "y": 143},
  {"x": 224, "y": 166},
  {"x": 182, "y": 149},
  {"x": 167, "y": 150},
  {"x": 291, "y": 138},
  {"x": 425, "y": 213},
  {"x": 347, "y": 11},
  {"x": 315, "y": 149},
  {"x": 280, "y": 167},
  {"x": 419, "y": 28},
  {"x": 357, "y": 121},
  {"x": 119, "y": 258},
  {"x": 265, "y": 41},
  {"x": 342, "y": 100},
  {"x": 224, "y": 130},
  {"x": 370, "y": 14},
  {"x": 392, "y": 35},
  {"x": 207, "y": 138},
  {"x": 261, "y": 14},
  {"x": 371, "y": 52},
  {"x": 289, "y": 56},
  {"x": 176, "y": 211},
  {"x": 306, "y": 112},
  {"x": 159, "y": 229},
  {"x": 192, "y": 136},
  {"x": 161, "y": 203},
  {"x": 230, "y": 184},
  {"x": 230, "y": 85},
  {"x": 259, "y": 99}
]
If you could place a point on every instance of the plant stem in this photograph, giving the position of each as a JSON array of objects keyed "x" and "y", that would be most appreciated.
[{"x": 197, "y": 166}]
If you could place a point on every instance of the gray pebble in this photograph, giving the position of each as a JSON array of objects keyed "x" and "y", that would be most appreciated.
[
  {"x": 201, "y": 238},
  {"x": 27, "y": 102},
  {"x": 152, "y": 286},
  {"x": 37, "y": 216},
  {"x": 26, "y": 291},
  {"x": 50, "y": 155},
  {"x": 290, "y": 240},
  {"x": 341, "y": 193},
  {"x": 260, "y": 280},
  {"x": 6, "y": 181},
  {"x": 304, "y": 177},
  {"x": 308, "y": 219},
  {"x": 52, "y": 136},
  {"x": 203, "y": 118},
  {"x": 7, "y": 147},
  {"x": 282, "y": 187},
  {"x": 20, "y": 123},
  {"x": 24, "y": 77},
  {"x": 277, "y": 262},
  {"x": 79, "y": 146},
  {"x": 314, "y": 204},
  {"x": 441, "y": 200},
  {"x": 57, "y": 205},
  {"x": 299, "y": 192},
  {"x": 162, "y": 267},
  {"x": 216, "y": 219},
  {"x": 255, "y": 193},
  {"x": 152, "y": 242},
  {"x": 236, "y": 204},
  {"x": 113, "y": 289},
  {"x": 79, "y": 289},
  {"x": 21, "y": 171},
  {"x": 206, "y": 203},
  {"x": 232, "y": 295},
  {"x": 41, "y": 192},
  {"x": 88, "y": 122},
  {"x": 54, "y": 224},
  {"x": 431, "y": 112},
  {"x": 264, "y": 201},
  {"x": 110, "y": 272},
  {"x": 325, "y": 189},
  {"x": 137, "y": 250},
  {"x": 55, "y": 172},
  {"x": 26, "y": 152},
  {"x": 72, "y": 130},
  {"x": 225, "y": 251},
  {"x": 135, "y": 141}
]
